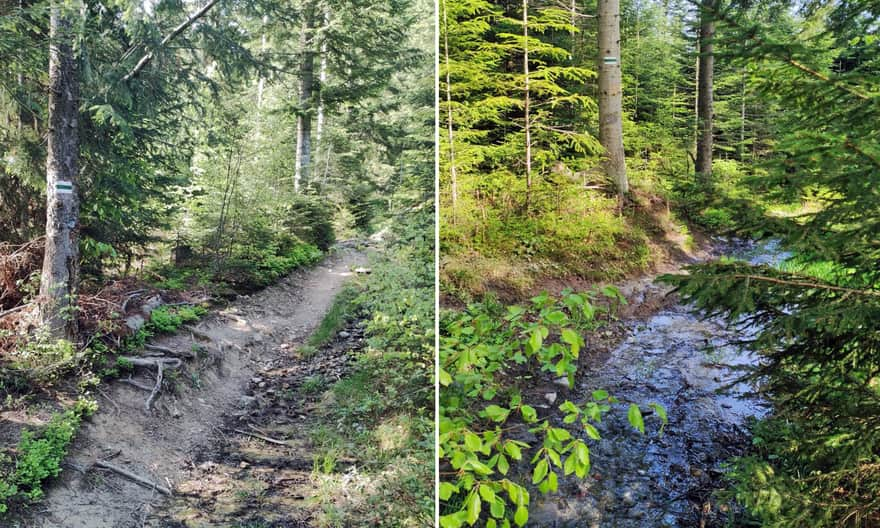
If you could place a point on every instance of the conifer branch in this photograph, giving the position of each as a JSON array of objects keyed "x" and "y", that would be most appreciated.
[
  {"x": 807, "y": 284},
  {"x": 142, "y": 63}
]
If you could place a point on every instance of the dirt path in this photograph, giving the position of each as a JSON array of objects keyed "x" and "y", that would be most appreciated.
[{"x": 257, "y": 335}]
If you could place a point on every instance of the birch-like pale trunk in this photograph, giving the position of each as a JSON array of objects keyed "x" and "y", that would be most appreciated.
[
  {"x": 611, "y": 94},
  {"x": 742, "y": 117},
  {"x": 261, "y": 83},
  {"x": 705, "y": 82},
  {"x": 60, "y": 273},
  {"x": 306, "y": 93},
  {"x": 526, "y": 106},
  {"x": 322, "y": 78},
  {"x": 453, "y": 171}
]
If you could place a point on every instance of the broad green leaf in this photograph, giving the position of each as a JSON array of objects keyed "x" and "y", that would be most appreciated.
[
  {"x": 529, "y": 414},
  {"x": 447, "y": 489},
  {"x": 635, "y": 418},
  {"x": 474, "y": 506},
  {"x": 472, "y": 441},
  {"x": 540, "y": 471}
]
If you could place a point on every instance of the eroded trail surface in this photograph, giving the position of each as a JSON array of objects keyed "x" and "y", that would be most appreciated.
[
  {"x": 248, "y": 380},
  {"x": 687, "y": 364}
]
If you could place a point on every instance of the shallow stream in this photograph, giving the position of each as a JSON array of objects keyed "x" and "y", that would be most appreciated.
[{"x": 687, "y": 364}]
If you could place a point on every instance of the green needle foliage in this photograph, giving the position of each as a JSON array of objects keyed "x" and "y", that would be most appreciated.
[{"x": 817, "y": 457}]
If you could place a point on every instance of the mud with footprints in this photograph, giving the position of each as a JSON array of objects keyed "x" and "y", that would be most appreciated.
[{"x": 227, "y": 434}]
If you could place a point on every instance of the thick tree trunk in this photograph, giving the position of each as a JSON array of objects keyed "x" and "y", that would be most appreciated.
[
  {"x": 527, "y": 105},
  {"x": 61, "y": 263},
  {"x": 705, "y": 88},
  {"x": 611, "y": 94},
  {"x": 306, "y": 103}
]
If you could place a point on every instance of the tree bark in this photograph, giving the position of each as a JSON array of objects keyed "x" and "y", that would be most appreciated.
[
  {"x": 453, "y": 174},
  {"x": 306, "y": 92},
  {"x": 61, "y": 262},
  {"x": 611, "y": 94},
  {"x": 322, "y": 78},
  {"x": 705, "y": 82},
  {"x": 527, "y": 104}
]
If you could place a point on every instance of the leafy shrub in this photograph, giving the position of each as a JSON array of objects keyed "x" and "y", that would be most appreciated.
[
  {"x": 165, "y": 319},
  {"x": 485, "y": 351},
  {"x": 40, "y": 455}
]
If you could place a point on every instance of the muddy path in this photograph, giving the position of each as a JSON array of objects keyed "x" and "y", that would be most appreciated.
[
  {"x": 689, "y": 365},
  {"x": 255, "y": 338}
]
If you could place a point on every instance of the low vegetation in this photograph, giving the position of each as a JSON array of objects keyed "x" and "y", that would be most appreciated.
[
  {"x": 382, "y": 412},
  {"x": 490, "y": 354}
]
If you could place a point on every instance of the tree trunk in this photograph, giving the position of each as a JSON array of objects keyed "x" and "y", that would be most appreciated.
[
  {"x": 610, "y": 94},
  {"x": 306, "y": 92},
  {"x": 704, "y": 101},
  {"x": 322, "y": 78},
  {"x": 527, "y": 104},
  {"x": 453, "y": 174},
  {"x": 61, "y": 262}
]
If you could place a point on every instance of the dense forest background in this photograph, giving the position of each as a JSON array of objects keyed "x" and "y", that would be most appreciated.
[
  {"x": 221, "y": 146},
  {"x": 776, "y": 139}
]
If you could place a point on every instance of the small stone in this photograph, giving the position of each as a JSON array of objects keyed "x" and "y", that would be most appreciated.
[
  {"x": 563, "y": 381},
  {"x": 550, "y": 397},
  {"x": 344, "y": 335},
  {"x": 256, "y": 380},
  {"x": 243, "y": 464},
  {"x": 135, "y": 322},
  {"x": 696, "y": 472},
  {"x": 151, "y": 304},
  {"x": 262, "y": 385},
  {"x": 247, "y": 401}
]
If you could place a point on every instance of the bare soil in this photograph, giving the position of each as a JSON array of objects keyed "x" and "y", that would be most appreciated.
[{"x": 250, "y": 379}]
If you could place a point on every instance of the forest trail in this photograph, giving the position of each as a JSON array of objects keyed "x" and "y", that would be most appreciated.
[
  {"x": 689, "y": 365},
  {"x": 257, "y": 335}
]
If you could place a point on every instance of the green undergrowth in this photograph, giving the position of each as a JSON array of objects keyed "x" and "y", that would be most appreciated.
[
  {"x": 38, "y": 456},
  {"x": 247, "y": 268},
  {"x": 341, "y": 312},
  {"x": 490, "y": 355},
  {"x": 382, "y": 411},
  {"x": 566, "y": 232}
]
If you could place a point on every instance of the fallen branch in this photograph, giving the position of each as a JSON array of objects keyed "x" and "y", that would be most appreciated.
[
  {"x": 143, "y": 481},
  {"x": 13, "y": 310},
  {"x": 264, "y": 438},
  {"x": 109, "y": 399}
]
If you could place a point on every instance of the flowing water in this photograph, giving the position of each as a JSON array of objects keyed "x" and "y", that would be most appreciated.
[{"x": 687, "y": 364}]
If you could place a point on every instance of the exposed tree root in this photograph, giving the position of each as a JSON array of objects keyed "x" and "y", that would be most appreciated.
[
  {"x": 160, "y": 363},
  {"x": 170, "y": 351}
]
